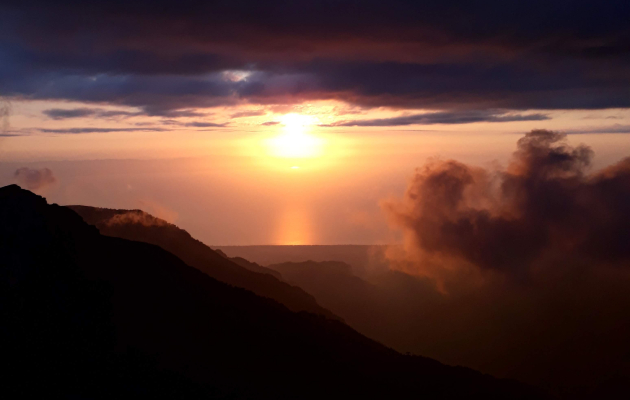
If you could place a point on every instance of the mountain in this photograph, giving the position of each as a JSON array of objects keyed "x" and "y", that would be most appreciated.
[
  {"x": 92, "y": 316},
  {"x": 142, "y": 227},
  {"x": 473, "y": 329}
]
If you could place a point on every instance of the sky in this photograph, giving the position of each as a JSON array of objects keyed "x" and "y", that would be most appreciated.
[{"x": 296, "y": 122}]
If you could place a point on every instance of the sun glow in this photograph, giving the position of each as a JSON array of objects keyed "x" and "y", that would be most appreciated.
[{"x": 295, "y": 141}]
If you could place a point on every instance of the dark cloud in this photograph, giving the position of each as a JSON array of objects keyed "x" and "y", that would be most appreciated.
[
  {"x": 33, "y": 179},
  {"x": 447, "y": 55},
  {"x": 270, "y": 123},
  {"x": 531, "y": 265},
  {"x": 463, "y": 117}
]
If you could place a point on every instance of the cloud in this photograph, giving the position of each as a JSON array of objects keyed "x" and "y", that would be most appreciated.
[
  {"x": 617, "y": 128},
  {"x": 33, "y": 179},
  {"x": 243, "y": 114},
  {"x": 270, "y": 123},
  {"x": 463, "y": 117},
  {"x": 160, "y": 211},
  {"x": 58, "y": 113},
  {"x": 544, "y": 203},
  {"x": 484, "y": 55},
  {"x": 203, "y": 124},
  {"x": 62, "y": 113},
  {"x": 530, "y": 263},
  {"x": 138, "y": 217},
  {"x": 76, "y": 131},
  {"x": 5, "y": 112}
]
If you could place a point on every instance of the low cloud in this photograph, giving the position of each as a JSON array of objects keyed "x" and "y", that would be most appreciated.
[
  {"x": 33, "y": 179},
  {"x": 160, "y": 211},
  {"x": 270, "y": 123},
  {"x": 136, "y": 217},
  {"x": 444, "y": 117}
]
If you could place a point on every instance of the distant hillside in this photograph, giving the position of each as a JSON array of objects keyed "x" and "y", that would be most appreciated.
[
  {"x": 91, "y": 316},
  {"x": 142, "y": 227},
  {"x": 387, "y": 307},
  {"x": 365, "y": 260}
]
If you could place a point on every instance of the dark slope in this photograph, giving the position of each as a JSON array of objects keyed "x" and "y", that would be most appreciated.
[
  {"x": 91, "y": 316},
  {"x": 142, "y": 227}
]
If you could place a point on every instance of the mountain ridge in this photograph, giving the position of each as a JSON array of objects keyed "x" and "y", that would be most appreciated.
[{"x": 84, "y": 300}]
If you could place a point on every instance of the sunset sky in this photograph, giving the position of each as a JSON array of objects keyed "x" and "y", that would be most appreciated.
[{"x": 271, "y": 123}]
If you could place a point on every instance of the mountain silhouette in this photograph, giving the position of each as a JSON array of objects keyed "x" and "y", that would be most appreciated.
[
  {"x": 142, "y": 227},
  {"x": 92, "y": 316}
]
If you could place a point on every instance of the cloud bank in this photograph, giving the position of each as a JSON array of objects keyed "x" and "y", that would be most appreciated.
[{"x": 530, "y": 266}]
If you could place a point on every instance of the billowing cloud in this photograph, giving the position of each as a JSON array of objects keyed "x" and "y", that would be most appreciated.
[
  {"x": 33, "y": 179},
  {"x": 544, "y": 204}
]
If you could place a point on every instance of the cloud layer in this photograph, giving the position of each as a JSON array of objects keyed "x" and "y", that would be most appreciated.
[{"x": 448, "y": 55}]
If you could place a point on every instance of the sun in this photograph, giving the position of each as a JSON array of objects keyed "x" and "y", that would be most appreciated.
[{"x": 295, "y": 141}]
